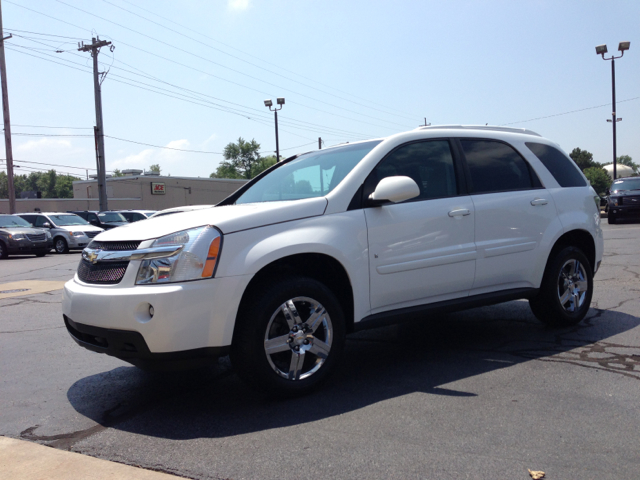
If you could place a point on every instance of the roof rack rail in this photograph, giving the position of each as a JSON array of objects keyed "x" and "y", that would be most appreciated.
[{"x": 481, "y": 127}]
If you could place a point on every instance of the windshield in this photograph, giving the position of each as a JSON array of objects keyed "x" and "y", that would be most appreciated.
[
  {"x": 626, "y": 184},
  {"x": 9, "y": 221},
  {"x": 68, "y": 220},
  {"x": 311, "y": 175},
  {"x": 111, "y": 217}
]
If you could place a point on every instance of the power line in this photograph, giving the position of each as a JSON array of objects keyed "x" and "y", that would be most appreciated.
[
  {"x": 255, "y": 65},
  {"x": 53, "y": 164},
  {"x": 228, "y": 68},
  {"x": 46, "y": 126},
  {"x": 572, "y": 111},
  {"x": 290, "y": 121}
]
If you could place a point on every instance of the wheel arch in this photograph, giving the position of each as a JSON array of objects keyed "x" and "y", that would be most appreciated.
[
  {"x": 319, "y": 266},
  {"x": 581, "y": 239}
]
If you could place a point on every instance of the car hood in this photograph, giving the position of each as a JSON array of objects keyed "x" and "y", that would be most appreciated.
[
  {"x": 80, "y": 228},
  {"x": 228, "y": 219},
  {"x": 27, "y": 230},
  {"x": 624, "y": 193}
]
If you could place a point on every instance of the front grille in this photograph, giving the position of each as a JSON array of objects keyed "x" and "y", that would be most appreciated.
[
  {"x": 632, "y": 201},
  {"x": 114, "y": 246},
  {"x": 108, "y": 273},
  {"x": 36, "y": 237},
  {"x": 91, "y": 234}
]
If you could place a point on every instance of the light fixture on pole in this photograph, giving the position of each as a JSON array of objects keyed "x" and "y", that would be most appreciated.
[
  {"x": 601, "y": 50},
  {"x": 269, "y": 104}
]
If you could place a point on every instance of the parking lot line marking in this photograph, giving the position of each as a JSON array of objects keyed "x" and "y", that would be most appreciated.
[
  {"x": 29, "y": 287},
  {"x": 20, "y": 459}
]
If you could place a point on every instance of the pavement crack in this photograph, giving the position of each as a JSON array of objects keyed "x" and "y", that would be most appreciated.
[{"x": 32, "y": 330}]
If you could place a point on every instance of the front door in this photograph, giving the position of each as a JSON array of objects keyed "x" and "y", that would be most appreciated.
[{"x": 421, "y": 250}]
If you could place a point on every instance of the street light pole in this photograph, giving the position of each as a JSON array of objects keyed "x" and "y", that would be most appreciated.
[
  {"x": 269, "y": 104},
  {"x": 601, "y": 50}
]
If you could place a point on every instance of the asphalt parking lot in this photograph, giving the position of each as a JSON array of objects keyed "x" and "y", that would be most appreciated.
[{"x": 487, "y": 393}]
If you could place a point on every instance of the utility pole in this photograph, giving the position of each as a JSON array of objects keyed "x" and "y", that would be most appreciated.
[
  {"x": 7, "y": 121},
  {"x": 94, "y": 48},
  {"x": 319, "y": 143},
  {"x": 425, "y": 123}
]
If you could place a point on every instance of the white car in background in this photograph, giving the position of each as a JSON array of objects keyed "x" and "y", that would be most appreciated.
[{"x": 336, "y": 240}]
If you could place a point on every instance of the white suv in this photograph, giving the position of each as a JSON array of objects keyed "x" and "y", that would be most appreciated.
[{"x": 336, "y": 240}]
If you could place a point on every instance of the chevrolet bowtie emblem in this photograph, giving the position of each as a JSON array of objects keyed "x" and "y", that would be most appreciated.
[{"x": 90, "y": 256}]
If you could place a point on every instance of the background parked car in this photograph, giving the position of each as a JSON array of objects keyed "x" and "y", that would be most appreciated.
[
  {"x": 69, "y": 231},
  {"x": 136, "y": 215},
  {"x": 624, "y": 199},
  {"x": 105, "y": 220},
  {"x": 17, "y": 236}
]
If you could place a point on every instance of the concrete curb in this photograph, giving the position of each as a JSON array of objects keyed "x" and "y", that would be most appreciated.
[{"x": 21, "y": 460}]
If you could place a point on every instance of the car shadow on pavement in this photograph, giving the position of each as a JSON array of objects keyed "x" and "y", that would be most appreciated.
[{"x": 421, "y": 356}]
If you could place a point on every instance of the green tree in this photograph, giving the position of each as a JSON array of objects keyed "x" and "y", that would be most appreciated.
[
  {"x": 47, "y": 184},
  {"x": 241, "y": 160},
  {"x": 64, "y": 186},
  {"x": 599, "y": 178},
  {"x": 583, "y": 159},
  {"x": 117, "y": 173},
  {"x": 155, "y": 168},
  {"x": 626, "y": 160}
]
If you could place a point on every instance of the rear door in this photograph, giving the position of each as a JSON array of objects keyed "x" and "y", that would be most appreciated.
[
  {"x": 421, "y": 250},
  {"x": 513, "y": 211}
]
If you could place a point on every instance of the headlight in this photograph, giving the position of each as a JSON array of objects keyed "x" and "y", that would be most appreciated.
[
  {"x": 47, "y": 234},
  {"x": 614, "y": 201},
  {"x": 18, "y": 236},
  {"x": 195, "y": 261},
  {"x": 76, "y": 234}
]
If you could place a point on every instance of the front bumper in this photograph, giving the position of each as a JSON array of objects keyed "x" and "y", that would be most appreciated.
[
  {"x": 131, "y": 347},
  {"x": 624, "y": 211},
  {"x": 17, "y": 247},
  {"x": 186, "y": 316}
]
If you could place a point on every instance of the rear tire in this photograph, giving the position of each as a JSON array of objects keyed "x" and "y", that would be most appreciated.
[
  {"x": 4, "y": 253},
  {"x": 289, "y": 336},
  {"x": 566, "y": 289},
  {"x": 60, "y": 245}
]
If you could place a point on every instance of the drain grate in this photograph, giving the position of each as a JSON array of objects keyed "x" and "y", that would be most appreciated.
[{"x": 15, "y": 291}]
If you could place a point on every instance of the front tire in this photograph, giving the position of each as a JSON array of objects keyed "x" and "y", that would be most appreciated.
[
  {"x": 566, "y": 289},
  {"x": 611, "y": 219},
  {"x": 289, "y": 337},
  {"x": 4, "y": 252},
  {"x": 61, "y": 245}
]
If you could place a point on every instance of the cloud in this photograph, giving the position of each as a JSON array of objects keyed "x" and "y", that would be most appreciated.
[
  {"x": 150, "y": 156},
  {"x": 238, "y": 4}
]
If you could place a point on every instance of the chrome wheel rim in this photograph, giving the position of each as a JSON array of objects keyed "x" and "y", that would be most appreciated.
[
  {"x": 572, "y": 285},
  {"x": 60, "y": 246},
  {"x": 298, "y": 338}
]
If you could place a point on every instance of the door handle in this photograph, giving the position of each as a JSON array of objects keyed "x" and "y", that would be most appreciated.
[
  {"x": 460, "y": 212},
  {"x": 539, "y": 201}
]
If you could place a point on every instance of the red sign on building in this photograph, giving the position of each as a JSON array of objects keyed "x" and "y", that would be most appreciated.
[{"x": 157, "y": 188}]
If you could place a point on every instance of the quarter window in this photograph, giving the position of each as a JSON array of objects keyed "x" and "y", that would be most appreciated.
[
  {"x": 563, "y": 169},
  {"x": 429, "y": 164},
  {"x": 495, "y": 167}
]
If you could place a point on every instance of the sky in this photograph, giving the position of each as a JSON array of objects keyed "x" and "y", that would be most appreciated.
[{"x": 192, "y": 75}]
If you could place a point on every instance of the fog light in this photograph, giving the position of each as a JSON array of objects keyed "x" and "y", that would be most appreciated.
[{"x": 151, "y": 310}]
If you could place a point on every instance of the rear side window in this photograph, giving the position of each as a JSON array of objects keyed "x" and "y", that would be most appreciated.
[
  {"x": 562, "y": 168},
  {"x": 496, "y": 167}
]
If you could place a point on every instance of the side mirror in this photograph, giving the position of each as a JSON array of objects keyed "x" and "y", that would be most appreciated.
[
  {"x": 46, "y": 225},
  {"x": 394, "y": 189},
  {"x": 607, "y": 192}
]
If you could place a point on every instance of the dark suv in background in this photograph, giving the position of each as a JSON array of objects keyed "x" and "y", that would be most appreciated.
[
  {"x": 106, "y": 220},
  {"x": 624, "y": 199}
]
